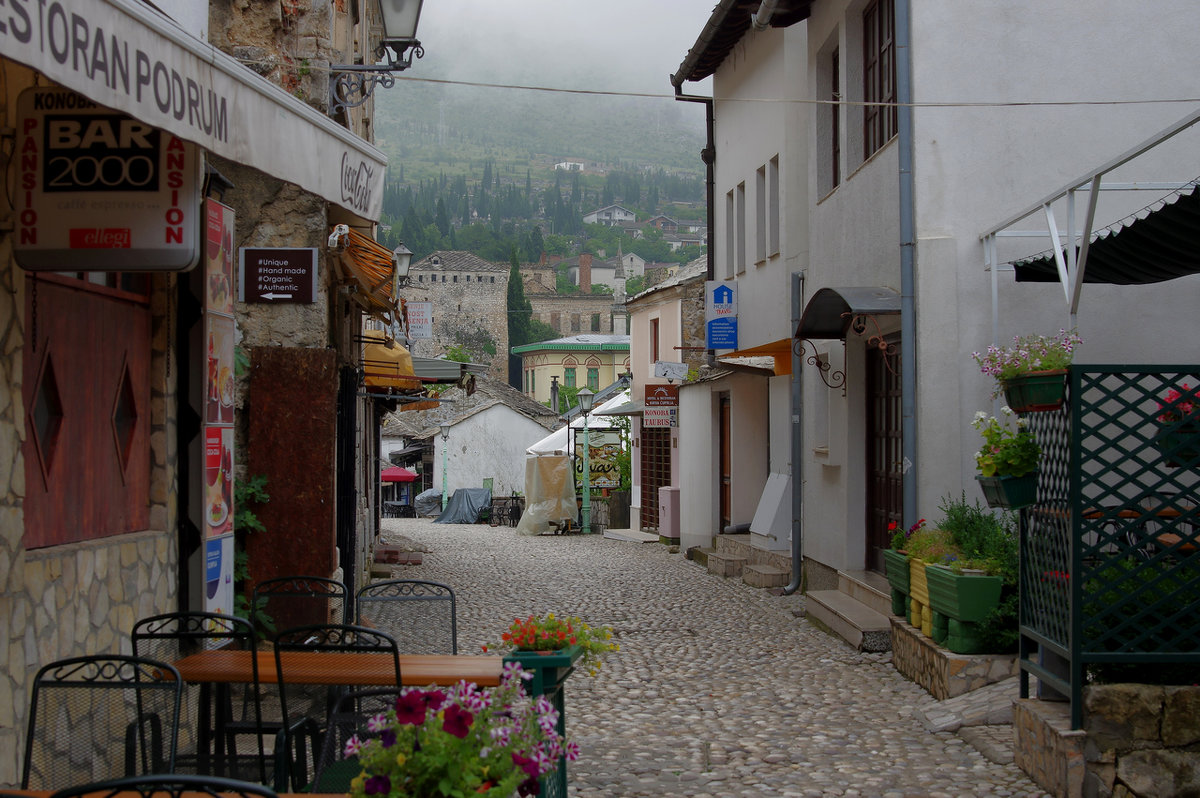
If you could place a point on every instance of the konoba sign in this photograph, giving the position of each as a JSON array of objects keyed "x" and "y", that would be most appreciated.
[{"x": 126, "y": 56}]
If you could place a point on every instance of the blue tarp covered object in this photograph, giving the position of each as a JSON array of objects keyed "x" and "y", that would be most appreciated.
[{"x": 465, "y": 505}]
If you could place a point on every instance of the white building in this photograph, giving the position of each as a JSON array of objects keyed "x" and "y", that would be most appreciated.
[
  {"x": 610, "y": 215},
  {"x": 1012, "y": 102}
]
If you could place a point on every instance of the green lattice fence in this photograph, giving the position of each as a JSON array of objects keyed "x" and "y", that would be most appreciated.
[{"x": 1110, "y": 554}]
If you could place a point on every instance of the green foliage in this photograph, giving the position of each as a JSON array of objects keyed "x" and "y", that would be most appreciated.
[
  {"x": 1009, "y": 449},
  {"x": 635, "y": 285},
  {"x": 241, "y": 361},
  {"x": 999, "y": 632},
  {"x": 458, "y": 353},
  {"x": 985, "y": 539},
  {"x": 246, "y": 493}
]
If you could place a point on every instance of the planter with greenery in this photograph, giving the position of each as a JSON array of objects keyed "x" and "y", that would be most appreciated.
[
  {"x": 1178, "y": 419},
  {"x": 1007, "y": 460},
  {"x": 1032, "y": 373}
]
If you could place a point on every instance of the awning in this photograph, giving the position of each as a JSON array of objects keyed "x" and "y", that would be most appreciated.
[
  {"x": 831, "y": 311},
  {"x": 369, "y": 267},
  {"x": 626, "y": 409},
  {"x": 128, "y": 56},
  {"x": 387, "y": 364},
  {"x": 397, "y": 474},
  {"x": 780, "y": 350},
  {"x": 1163, "y": 245}
]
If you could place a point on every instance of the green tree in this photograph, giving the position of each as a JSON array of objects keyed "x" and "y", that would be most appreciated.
[{"x": 520, "y": 315}]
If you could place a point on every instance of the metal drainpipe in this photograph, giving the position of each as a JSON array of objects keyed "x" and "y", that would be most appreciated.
[
  {"x": 762, "y": 18},
  {"x": 709, "y": 156},
  {"x": 908, "y": 309},
  {"x": 797, "y": 419}
]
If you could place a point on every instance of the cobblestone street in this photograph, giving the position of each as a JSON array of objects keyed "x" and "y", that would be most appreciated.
[{"x": 719, "y": 689}]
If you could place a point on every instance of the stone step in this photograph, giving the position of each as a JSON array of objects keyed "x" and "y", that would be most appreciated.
[
  {"x": 725, "y": 565},
  {"x": 699, "y": 555},
  {"x": 868, "y": 587},
  {"x": 765, "y": 576},
  {"x": 858, "y": 624}
]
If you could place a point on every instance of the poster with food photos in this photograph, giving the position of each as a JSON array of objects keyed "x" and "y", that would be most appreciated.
[
  {"x": 218, "y": 480},
  {"x": 218, "y": 245},
  {"x": 218, "y": 381}
]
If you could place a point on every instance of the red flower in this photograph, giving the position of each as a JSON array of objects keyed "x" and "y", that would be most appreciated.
[{"x": 457, "y": 721}]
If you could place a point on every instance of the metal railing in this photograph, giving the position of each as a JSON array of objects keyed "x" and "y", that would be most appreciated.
[{"x": 1110, "y": 553}]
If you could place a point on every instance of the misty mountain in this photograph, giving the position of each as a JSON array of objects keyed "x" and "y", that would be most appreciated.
[{"x": 434, "y": 129}]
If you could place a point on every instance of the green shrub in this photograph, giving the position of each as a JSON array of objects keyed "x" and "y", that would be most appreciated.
[{"x": 985, "y": 540}]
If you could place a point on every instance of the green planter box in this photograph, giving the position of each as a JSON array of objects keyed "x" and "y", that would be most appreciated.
[
  {"x": 896, "y": 565},
  {"x": 1009, "y": 492},
  {"x": 550, "y": 671},
  {"x": 959, "y": 602},
  {"x": 1036, "y": 392},
  {"x": 1180, "y": 443}
]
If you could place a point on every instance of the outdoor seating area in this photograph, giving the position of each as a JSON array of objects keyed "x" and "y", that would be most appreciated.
[{"x": 213, "y": 703}]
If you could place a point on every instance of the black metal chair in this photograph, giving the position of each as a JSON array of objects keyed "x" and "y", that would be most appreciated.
[
  {"x": 168, "y": 785},
  {"x": 306, "y": 710},
  {"x": 421, "y": 615},
  {"x": 210, "y": 724},
  {"x": 349, "y": 717},
  {"x": 297, "y": 600},
  {"x": 99, "y": 717}
]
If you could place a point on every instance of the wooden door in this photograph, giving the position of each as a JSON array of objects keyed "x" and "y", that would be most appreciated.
[
  {"x": 87, "y": 403},
  {"x": 726, "y": 509},
  {"x": 656, "y": 471},
  {"x": 885, "y": 455}
]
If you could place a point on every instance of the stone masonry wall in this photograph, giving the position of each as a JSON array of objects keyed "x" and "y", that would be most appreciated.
[
  {"x": 83, "y": 598},
  {"x": 943, "y": 673},
  {"x": 565, "y": 305},
  {"x": 469, "y": 310}
]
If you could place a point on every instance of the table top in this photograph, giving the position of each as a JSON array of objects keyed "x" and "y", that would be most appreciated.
[{"x": 360, "y": 669}]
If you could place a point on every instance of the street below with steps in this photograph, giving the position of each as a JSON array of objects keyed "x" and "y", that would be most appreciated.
[{"x": 719, "y": 689}]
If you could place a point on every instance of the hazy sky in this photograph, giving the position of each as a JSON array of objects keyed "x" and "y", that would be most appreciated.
[{"x": 610, "y": 45}]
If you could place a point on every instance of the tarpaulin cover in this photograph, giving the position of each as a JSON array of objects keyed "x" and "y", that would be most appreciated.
[
  {"x": 465, "y": 505},
  {"x": 549, "y": 493},
  {"x": 428, "y": 502}
]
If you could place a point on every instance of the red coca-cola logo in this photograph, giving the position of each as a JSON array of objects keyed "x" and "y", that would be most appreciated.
[{"x": 101, "y": 238}]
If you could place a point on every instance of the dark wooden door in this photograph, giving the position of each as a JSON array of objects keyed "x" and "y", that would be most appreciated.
[
  {"x": 656, "y": 472},
  {"x": 87, "y": 403},
  {"x": 885, "y": 475},
  {"x": 726, "y": 510}
]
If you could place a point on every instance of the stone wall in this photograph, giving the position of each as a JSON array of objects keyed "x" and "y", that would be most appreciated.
[
  {"x": 80, "y": 598},
  {"x": 943, "y": 673},
  {"x": 567, "y": 305},
  {"x": 1137, "y": 741},
  {"x": 470, "y": 309}
]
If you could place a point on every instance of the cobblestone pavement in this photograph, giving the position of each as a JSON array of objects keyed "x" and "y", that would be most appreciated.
[{"x": 719, "y": 689}]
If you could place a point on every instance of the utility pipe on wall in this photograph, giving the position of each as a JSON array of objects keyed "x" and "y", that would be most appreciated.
[
  {"x": 797, "y": 421},
  {"x": 762, "y": 18},
  {"x": 908, "y": 243}
]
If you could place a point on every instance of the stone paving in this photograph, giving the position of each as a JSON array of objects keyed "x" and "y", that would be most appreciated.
[{"x": 719, "y": 689}]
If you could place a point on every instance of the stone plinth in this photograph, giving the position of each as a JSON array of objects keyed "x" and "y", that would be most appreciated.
[{"x": 943, "y": 673}]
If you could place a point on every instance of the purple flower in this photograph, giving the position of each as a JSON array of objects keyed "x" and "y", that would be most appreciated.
[
  {"x": 528, "y": 765},
  {"x": 378, "y": 785},
  {"x": 388, "y": 738},
  {"x": 457, "y": 721}
]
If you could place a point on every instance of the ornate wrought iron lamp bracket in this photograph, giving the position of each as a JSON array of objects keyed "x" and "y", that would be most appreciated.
[
  {"x": 860, "y": 324},
  {"x": 832, "y": 379},
  {"x": 353, "y": 84}
]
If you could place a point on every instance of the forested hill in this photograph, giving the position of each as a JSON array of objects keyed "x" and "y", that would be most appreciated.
[{"x": 473, "y": 168}]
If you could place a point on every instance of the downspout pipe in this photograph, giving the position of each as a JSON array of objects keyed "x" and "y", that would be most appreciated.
[
  {"x": 761, "y": 19},
  {"x": 908, "y": 243},
  {"x": 797, "y": 419},
  {"x": 709, "y": 156}
]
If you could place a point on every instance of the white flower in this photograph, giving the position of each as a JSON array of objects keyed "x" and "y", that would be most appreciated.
[
  {"x": 980, "y": 416},
  {"x": 1006, "y": 410}
]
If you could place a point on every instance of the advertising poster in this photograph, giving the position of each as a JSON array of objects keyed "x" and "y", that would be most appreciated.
[
  {"x": 420, "y": 320},
  {"x": 218, "y": 382},
  {"x": 218, "y": 480},
  {"x": 604, "y": 446},
  {"x": 218, "y": 245},
  {"x": 218, "y": 575}
]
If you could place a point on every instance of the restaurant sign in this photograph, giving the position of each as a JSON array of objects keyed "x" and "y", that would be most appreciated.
[
  {"x": 661, "y": 407},
  {"x": 101, "y": 191}
]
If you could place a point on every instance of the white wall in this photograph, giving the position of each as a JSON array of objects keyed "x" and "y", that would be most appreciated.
[{"x": 490, "y": 443}]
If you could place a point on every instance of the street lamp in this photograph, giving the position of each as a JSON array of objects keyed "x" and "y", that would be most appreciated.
[
  {"x": 353, "y": 83},
  {"x": 586, "y": 397},
  {"x": 445, "y": 437}
]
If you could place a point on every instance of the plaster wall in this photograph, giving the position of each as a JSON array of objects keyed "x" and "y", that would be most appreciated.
[{"x": 491, "y": 443}]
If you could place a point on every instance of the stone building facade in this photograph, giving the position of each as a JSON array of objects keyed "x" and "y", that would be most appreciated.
[
  {"x": 470, "y": 307},
  {"x": 575, "y": 314}
]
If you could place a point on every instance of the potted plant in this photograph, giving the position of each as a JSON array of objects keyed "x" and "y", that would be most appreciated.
[
  {"x": 926, "y": 545},
  {"x": 469, "y": 740},
  {"x": 549, "y": 634},
  {"x": 1007, "y": 460},
  {"x": 1178, "y": 418},
  {"x": 895, "y": 561},
  {"x": 1032, "y": 373}
]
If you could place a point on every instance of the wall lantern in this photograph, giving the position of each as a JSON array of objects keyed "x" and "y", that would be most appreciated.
[{"x": 353, "y": 83}]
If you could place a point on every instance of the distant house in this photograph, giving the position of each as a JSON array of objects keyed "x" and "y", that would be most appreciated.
[
  {"x": 577, "y": 361},
  {"x": 675, "y": 241},
  {"x": 569, "y": 166},
  {"x": 664, "y": 223},
  {"x": 611, "y": 216},
  {"x": 489, "y": 430}
]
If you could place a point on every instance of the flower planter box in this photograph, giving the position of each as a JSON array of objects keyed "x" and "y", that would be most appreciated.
[
  {"x": 960, "y": 602},
  {"x": 921, "y": 613},
  {"x": 1009, "y": 492},
  {"x": 1036, "y": 392},
  {"x": 896, "y": 565},
  {"x": 1179, "y": 442}
]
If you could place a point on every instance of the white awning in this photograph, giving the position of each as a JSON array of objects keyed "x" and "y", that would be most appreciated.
[{"x": 125, "y": 55}]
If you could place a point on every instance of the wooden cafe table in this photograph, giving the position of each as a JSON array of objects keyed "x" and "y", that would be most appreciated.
[{"x": 366, "y": 669}]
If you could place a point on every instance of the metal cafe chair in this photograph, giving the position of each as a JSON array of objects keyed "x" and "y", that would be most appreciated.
[
  {"x": 209, "y": 725},
  {"x": 421, "y": 615},
  {"x": 349, "y": 717},
  {"x": 299, "y": 599},
  {"x": 306, "y": 711},
  {"x": 168, "y": 785},
  {"x": 98, "y": 717}
]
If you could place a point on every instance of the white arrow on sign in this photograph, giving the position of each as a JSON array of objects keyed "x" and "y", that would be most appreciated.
[{"x": 276, "y": 296}]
